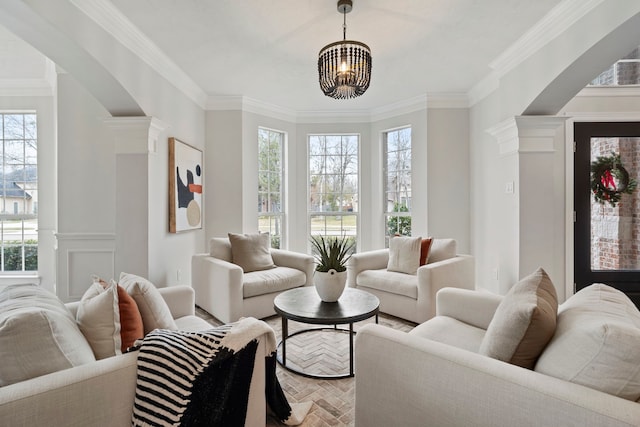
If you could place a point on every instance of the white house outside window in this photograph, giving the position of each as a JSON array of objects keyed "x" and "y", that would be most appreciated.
[
  {"x": 270, "y": 188},
  {"x": 397, "y": 182},
  {"x": 19, "y": 192},
  {"x": 333, "y": 185}
]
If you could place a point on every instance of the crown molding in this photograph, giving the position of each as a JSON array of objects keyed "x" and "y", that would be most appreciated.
[
  {"x": 246, "y": 104},
  {"x": 548, "y": 28},
  {"x": 483, "y": 88},
  {"x": 107, "y": 16},
  {"x": 447, "y": 100},
  {"x": 406, "y": 106}
]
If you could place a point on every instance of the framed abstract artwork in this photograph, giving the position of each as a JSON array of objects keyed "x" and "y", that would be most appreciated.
[{"x": 185, "y": 186}]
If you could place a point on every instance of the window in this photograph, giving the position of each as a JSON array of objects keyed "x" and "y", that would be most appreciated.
[
  {"x": 397, "y": 182},
  {"x": 270, "y": 189},
  {"x": 19, "y": 192},
  {"x": 624, "y": 72},
  {"x": 333, "y": 185}
]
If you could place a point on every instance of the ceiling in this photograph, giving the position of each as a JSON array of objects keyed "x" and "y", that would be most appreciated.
[{"x": 267, "y": 49}]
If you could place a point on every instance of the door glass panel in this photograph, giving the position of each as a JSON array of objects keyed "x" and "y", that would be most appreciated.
[{"x": 615, "y": 223}]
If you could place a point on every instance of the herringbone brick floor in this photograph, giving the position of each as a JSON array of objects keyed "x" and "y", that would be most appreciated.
[{"x": 319, "y": 352}]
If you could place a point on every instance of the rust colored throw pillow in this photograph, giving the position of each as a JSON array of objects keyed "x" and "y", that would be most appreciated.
[
  {"x": 425, "y": 247},
  {"x": 131, "y": 328},
  {"x": 524, "y": 322}
]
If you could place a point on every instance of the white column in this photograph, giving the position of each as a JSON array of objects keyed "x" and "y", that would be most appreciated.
[
  {"x": 135, "y": 140},
  {"x": 535, "y": 148}
]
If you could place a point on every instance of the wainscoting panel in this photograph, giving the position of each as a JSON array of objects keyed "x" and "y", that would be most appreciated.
[{"x": 79, "y": 256}]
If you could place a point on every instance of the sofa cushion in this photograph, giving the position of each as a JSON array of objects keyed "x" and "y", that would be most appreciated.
[
  {"x": 275, "y": 280},
  {"x": 448, "y": 330},
  {"x": 38, "y": 335},
  {"x": 251, "y": 251},
  {"x": 524, "y": 321},
  {"x": 389, "y": 281},
  {"x": 442, "y": 249},
  {"x": 153, "y": 309},
  {"x": 404, "y": 254},
  {"x": 99, "y": 320},
  {"x": 597, "y": 342}
]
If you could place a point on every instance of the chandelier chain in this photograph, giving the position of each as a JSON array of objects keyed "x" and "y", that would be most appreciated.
[{"x": 344, "y": 24}]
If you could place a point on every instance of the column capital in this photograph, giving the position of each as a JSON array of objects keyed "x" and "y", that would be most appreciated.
[
  {"x": 135, "y": 135},
  {"x": 521, "y": 134}
]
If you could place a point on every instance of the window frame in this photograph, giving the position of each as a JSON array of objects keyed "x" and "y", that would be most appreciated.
[
  {"x": 341, "y": 214},
  {"x": 274, "y": 217},
  {"x": 29, "y": 188},
  {"x": 389, "y": 213}
]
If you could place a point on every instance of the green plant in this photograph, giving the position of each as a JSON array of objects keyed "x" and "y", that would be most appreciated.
[
  {"x": 399, "y": 224},
  {"x": 332, "y": 252}
]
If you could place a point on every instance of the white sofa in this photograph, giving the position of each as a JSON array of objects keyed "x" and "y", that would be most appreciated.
[
  {"x": 411, "y": 297},
  {"x": 225, "y": 291},
  {"x": 432, "y": 376},
  {"x": 101, "y": 393}
]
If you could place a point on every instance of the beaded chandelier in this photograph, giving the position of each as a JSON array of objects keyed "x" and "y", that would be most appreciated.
[{"x": 344, "y": 67}]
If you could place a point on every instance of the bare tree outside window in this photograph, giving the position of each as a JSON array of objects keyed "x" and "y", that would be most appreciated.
[
  {"x": 333, "y": 185},
  {"x": 19, "y": 192},
  {"x": 270, "y": 188},
  {"x": 397, "y": 163}
]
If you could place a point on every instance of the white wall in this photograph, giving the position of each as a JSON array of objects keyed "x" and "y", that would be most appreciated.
[
  {"x": 223, "y": 174},
  {"x": 448, "y": 176}
]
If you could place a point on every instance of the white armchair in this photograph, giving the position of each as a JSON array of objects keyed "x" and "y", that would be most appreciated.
[
  {"x": 225, "y": 291},
  {"x": 412, "y": 297}
]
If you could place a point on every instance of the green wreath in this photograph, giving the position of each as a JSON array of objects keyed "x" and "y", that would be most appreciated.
[{"x": 610, "y": 180}]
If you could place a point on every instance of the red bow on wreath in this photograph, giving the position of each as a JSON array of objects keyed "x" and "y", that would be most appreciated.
[{"x": 607, "y": 180}]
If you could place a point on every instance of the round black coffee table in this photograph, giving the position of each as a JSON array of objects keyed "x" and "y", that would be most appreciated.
[{"x": 304, "y": 305}]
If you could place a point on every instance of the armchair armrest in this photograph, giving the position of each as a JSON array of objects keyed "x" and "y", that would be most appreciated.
[
  {"x": 456, "y": 272},
  {"x": 370, "y": 260},
  {"x": 180, "y": 299},
  {"x": 411, "y": 381},
  {"x": 299, "y": 261},
  {"x": 472, "y": 307},
  {"x": 217, "y": 285}
]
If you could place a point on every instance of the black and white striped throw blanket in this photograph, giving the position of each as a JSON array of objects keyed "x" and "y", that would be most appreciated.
[{"x": 203, "y": 378}]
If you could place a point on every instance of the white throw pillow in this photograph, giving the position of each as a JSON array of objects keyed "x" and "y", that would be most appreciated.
[
  {"x": 404, "y": 254},
  {"x": 99, "y": 320},
  {"x": 38, "y": 335},
  {"x": 251, "y": 251},
  {"x": 597, "y": 342},
  {"x": 153, "y": 308},
  {"x": 524, "y": 322}
]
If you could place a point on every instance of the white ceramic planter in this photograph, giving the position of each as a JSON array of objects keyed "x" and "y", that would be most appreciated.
[{"x": 330, "y": 285}]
